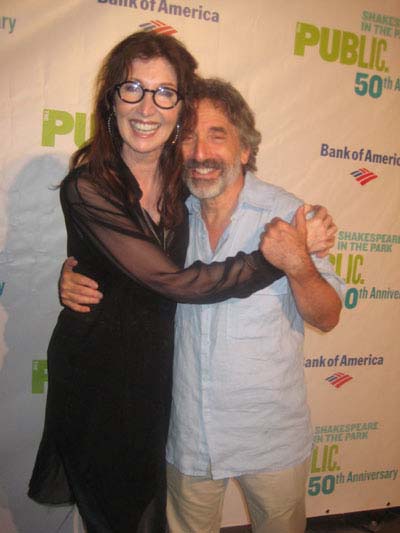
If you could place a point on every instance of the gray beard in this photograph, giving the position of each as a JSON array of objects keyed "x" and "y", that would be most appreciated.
[{"x": 206, "y": 189}]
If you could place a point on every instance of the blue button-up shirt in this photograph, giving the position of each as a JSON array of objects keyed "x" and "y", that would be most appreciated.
[{"x": 239, "y": 397}]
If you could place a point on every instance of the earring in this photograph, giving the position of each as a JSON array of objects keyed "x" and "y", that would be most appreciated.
[
  {"x": 178, "y": 127},
  {"x": 109, "y": 123}
]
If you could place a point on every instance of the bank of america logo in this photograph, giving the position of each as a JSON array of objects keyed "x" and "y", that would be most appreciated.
[
  {"x": 363, "y": 176},
  {"x": 338, "y": 379},
  {"x": 157, "y": 26}
]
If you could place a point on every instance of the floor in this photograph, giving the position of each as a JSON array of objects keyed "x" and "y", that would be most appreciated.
[{"x": 383, "y": 521}]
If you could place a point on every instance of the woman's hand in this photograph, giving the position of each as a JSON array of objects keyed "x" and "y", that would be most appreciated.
[{"x": 321, "y": 230}]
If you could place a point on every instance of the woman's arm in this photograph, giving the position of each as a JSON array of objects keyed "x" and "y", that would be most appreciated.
[
  {"x": 78, "y": 292},
  {"x": 126, "y": 241}
]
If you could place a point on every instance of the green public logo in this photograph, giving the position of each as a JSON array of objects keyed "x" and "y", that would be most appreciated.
[
  {"x": 57, "y": 122},
  {"x": 39, "y": 376},
  {"x": 345, "y": 47}
]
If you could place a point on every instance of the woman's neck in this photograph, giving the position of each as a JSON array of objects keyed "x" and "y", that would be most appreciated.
[{"x": 146, "y": 172}]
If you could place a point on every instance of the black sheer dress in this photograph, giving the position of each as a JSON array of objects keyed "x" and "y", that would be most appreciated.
[{"x": 109, "y": 392}]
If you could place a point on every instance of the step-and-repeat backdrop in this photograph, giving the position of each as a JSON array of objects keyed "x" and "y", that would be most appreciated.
[{"x": 324, "y": 81}]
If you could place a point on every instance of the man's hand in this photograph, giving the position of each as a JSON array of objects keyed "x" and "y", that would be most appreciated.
[
  {"x": 77, "y": 290},
  {"x": 285, "y": 245},
  {"x": 321, "y": 230}
]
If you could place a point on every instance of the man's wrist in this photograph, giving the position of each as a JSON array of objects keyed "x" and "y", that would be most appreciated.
[{"x": 303, "y": 270}]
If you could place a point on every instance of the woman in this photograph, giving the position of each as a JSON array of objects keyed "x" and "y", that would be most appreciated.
[{"x": 110, "y": 371}]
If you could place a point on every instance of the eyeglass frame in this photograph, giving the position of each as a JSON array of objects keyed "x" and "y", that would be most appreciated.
[{"x": 118, "y": 86}]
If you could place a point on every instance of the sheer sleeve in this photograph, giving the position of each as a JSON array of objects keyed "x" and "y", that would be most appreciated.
[{"x": 124, "y": 239}]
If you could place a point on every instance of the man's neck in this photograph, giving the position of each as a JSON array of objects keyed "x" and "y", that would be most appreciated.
[{"x": 217, "y": 212}]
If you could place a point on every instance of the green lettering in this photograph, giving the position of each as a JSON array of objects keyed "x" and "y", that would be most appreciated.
[
  {"x": 80, "y": 129},
  {"x": 324, "y": 52},
  {"x": 55, "y": 122},
  {"x": 348, "y": 54},
  {"x": 39, "y": 375},
  {"x": 306, "y": 35}
]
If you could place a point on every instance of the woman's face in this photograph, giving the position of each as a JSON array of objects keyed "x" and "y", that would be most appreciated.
[{"x": 143, "y": 126}]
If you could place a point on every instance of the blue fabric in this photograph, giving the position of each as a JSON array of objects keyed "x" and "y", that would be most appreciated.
[{"x": 239, "y": 397}]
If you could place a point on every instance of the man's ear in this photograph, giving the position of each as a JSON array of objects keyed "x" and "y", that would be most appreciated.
[{"x": 244, "y": 155}]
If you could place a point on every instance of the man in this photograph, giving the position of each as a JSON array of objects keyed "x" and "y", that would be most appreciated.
[{"x": 239, "y": 400}]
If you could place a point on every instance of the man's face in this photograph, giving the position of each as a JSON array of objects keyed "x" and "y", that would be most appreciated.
[{"x": 213, "y": 156}]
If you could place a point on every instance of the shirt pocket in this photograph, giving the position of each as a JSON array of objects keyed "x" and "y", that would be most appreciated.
[{"x": 259, "y": 316}]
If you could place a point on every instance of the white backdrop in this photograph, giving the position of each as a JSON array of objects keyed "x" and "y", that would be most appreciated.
[{"x": 324, "y": 81}]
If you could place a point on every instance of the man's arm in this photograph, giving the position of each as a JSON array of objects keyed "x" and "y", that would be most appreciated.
[
  {"x": 77, "y": 291},
  {"x": 285, "y": 246}
]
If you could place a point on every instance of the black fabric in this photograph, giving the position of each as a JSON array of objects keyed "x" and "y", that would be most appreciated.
[{"x": 109, "y": 371}]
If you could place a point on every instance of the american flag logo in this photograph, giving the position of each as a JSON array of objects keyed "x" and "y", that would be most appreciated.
[
  {"x": 157, "y": 26},
  {"x": 338, "y": 379},
  {"x": 363, "y": 175}
]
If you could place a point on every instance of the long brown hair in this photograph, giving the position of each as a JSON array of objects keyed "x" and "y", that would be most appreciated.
[{"x": 102, "y": 151}]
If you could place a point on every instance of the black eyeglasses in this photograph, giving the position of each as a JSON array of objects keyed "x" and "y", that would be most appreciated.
[{"x": 132, "y": 92}]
